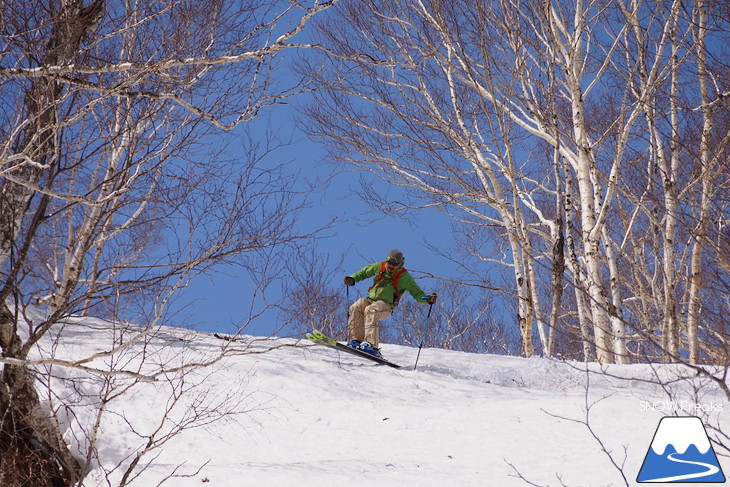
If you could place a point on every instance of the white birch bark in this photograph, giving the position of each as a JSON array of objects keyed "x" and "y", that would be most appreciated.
[
  {"x": 570, "y": 47},
  {"x": 440, "y": 107},
  {"x": 707, "y": 161},
  {"x": 105, "y": 96}
]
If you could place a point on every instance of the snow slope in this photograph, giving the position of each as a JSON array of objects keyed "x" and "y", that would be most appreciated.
[{"x": 305, "y": 415}]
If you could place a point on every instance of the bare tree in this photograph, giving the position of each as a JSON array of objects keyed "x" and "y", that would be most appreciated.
[
  {"x": 111, "y": 197},
  {"x": 457, "y": 322},
  {"x": 675, "y": 171},
  {"x": 425, "y": 119},
  {"x": 533, "y": 119},
  {"x": 316, "y": 297}
]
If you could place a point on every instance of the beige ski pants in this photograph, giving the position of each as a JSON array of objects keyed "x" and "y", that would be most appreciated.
[{"x": 364, "y": 321}]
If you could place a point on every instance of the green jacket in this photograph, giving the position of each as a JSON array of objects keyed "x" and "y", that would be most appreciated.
[{"x": 383, "y": 290}]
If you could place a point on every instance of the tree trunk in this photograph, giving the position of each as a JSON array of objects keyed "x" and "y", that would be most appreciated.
[
  {"x": 33, "y": 450},
  {"x": 706, "y": 165},
  {"x": 591, "y": 250},
  {"x": 620, "y": 350}
]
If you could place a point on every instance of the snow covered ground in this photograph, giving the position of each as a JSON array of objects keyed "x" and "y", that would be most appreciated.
[{"x": 305, "y": 415}]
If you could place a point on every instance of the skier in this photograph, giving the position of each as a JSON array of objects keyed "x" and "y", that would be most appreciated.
[{"x": 391, "y": 279}]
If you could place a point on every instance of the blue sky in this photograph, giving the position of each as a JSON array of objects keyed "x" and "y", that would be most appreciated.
[{"x": 219, "y": 302}]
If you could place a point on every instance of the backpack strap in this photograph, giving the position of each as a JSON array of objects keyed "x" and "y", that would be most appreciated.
[
  {"x": 381, "y": 276},
  {"x": 396, "y": 291}
]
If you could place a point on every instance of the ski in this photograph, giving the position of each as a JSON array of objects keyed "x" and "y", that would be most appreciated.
[{"x": 321, "y": 339}]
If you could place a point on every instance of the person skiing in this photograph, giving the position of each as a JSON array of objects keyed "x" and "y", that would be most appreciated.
[{"x": 391, "y": 279}]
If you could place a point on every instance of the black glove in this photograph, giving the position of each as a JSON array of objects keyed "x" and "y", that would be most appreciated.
[
  {"x": 349, "y": 281},
  {"x": 432, "y": 298}
]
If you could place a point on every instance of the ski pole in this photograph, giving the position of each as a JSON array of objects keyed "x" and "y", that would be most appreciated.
[
  {"x": 348, "y": 302},
  {"x": 423, "y": 336}
]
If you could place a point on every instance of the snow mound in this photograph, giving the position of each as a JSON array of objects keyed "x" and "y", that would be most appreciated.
[{"x": 271, "y": 412}]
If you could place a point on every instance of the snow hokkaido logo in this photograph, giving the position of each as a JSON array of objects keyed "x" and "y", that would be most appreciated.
[{"x": 681, "y": 452}]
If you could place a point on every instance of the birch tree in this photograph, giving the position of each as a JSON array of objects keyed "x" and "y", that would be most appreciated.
[
  {"x": 677, "y": 41},
  {"x": 428, "y": 126},
  {"x": 533, "y": 118},
  {"x": 113, "y": 189},
  {"x": 709, "y": 157},
  {"x": 467, "y": 85}
]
